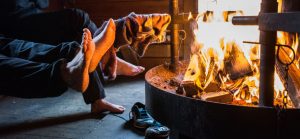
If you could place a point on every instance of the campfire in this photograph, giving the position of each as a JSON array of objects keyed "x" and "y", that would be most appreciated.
[
  {"x": 222, "y": 66},
  {"x": 238, "y": 77}
]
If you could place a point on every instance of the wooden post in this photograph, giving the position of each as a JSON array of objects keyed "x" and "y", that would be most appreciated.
[
  {"x": 174, "y": 11},
  {"x": 267, "y": 58}
]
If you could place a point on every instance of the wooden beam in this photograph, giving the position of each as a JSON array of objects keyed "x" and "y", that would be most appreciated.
[{"x": 293, "y": 80}]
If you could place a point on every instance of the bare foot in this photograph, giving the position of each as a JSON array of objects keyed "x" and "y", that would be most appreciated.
[
  {"x": 75, "y": 73},
  {"x": 103, "y": 42},
  {"x": 128, "y": 69},
  {"x": 102, "y": 105}
]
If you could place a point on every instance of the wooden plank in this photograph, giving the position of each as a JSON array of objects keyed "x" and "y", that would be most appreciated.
[
  {"x": 222, "y": 97},
  {"x": 293, "y": 81},
  {"x": 190, "y": 88}
]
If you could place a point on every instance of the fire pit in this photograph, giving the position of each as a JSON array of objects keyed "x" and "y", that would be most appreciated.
[
  {"x": 191, "y": 114},
  {"x": 194, "y": 118}
]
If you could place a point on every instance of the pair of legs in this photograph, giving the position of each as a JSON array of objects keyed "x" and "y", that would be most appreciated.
[
  {"x": 33, "y": 70},
  {"x": 76, "y": 72},
  {"x": 64, "y": 26},
  {"x": 57, "y": 27}
]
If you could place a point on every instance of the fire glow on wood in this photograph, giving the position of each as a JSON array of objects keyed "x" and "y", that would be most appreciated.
[{"x": 221, "y": 65}]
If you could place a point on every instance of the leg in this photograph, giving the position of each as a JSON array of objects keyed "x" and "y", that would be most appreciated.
[
  {"x": 95, "y": 95},
  {"x": 128, "y": 69},
  {"x": 38, "y": 52},
  {"x": 24, "y": 78},
  {"x": 103, "y": 42},
  {"x": 112, "y": 66},
  {"x": 52, "y": 27},
  {"x": 95, "y": 91},
  {"x": 76, "y": 72},
  {"x": 33, "y": 77}
]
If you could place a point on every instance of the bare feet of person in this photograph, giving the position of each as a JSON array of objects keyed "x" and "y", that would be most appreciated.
[
  {"x": 103, "y": 42},
  {"x": 76, "y": 72},
  {"x": 102, "y": 105},
  {"x": 128, "y": 69}
]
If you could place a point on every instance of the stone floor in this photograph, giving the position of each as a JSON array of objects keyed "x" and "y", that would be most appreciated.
[{"x": 68, "y": 116}]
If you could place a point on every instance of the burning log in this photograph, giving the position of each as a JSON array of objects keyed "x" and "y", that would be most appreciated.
[
  {"x": 212, "y": 82},
  {"x": 222, "y": 97},
  {"x": 235, "y": 63},
  {"x": 190, "y": 88},
  {"x": 196, "y": 70},
  {"x": 213, "y": 86},
  {"x": 177, "y": 83},
  {"x": 293, "y": 80}
]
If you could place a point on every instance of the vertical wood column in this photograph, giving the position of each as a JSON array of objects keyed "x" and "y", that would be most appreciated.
[
  {"x": 174, "y": 11},
  {"x": 267, "y": 58}
]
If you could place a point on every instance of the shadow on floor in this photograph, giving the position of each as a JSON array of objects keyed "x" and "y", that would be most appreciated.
[
  {"x": 129, "y": 126},
  {"x": 47, "y": 122}
]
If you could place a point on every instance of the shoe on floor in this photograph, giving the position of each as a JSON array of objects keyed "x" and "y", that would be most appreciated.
[
  {"x": 157, "y": 131},
  {"x": 141, "y": 119}
]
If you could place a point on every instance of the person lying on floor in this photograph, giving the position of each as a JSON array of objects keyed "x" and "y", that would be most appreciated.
[{"x": 63, "y": 29}]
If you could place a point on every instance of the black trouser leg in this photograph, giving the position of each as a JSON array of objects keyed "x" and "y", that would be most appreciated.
[
  {"x": 95, "y": 89},
  {"x": 56, "y": 27},
  {"x": 38, "y": 52},
  {"x": 27, "y": 79},
  {"x": 51, "y": 27},
  {"x": 32, "y": 70}
]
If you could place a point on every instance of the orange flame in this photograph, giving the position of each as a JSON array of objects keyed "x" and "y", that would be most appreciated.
[{"x": 215, "y": 35}]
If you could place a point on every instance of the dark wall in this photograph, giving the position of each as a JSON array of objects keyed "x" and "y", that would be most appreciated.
[{"x": 101, "y": 10}]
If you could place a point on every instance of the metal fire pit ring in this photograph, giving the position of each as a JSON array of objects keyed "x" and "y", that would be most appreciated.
[{"x": 194, "y": 118}]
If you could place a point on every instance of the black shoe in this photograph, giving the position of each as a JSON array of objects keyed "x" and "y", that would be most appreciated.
[
  {"x": 141, "y": 119},
  {"x": 157, "y": 131}
]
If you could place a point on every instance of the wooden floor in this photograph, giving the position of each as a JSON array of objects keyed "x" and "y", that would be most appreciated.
[{"x": 68, "y": 116}]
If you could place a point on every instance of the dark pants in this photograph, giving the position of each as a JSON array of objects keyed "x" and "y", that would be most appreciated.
[
  {"x": 50, "y": 28},
  {"x": 33, "y": 67}
]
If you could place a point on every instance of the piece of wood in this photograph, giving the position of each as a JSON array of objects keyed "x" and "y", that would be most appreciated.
[
  {"x": 190, "y": 88},
  {"x": 213, "y": 86},
  {"x": 291, "y": 7},
  {"x": 235, "y": 62},
  {"x": 293, "y": 81},
  {"x": 196, "y": 69},
  {"x": 222, "y": 97}
]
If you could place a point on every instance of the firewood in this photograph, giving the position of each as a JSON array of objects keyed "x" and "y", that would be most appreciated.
[
  {"x": 196, "y": 69},
  {"x": 235, "y": 62},
  {"x": 212, "y": 87},
  {"x": 177, "y": 83},
  {"x": 212, "y": 83},
  {"x": 293, "y": 80},
  {"x": 244, "y": 93},
  {"x": 190, "y": 88},
  {"x": 222, "y": 97}
]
